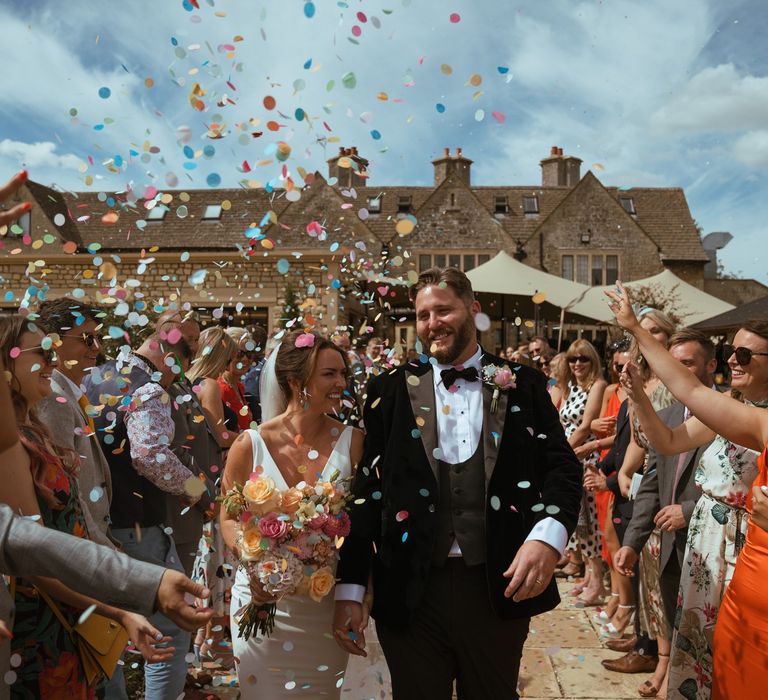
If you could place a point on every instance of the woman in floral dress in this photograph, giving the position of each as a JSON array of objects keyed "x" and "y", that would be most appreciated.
[
  {"x": 718, "y": 525},
  {"x": 46, "y": 489}
]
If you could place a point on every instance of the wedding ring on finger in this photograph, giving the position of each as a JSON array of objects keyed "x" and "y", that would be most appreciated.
[{"x": 539, "y": 581}]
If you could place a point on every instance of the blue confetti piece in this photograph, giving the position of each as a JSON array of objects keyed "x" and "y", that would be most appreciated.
[
  {"x": 375, "y": 135},
  {"x": 503, "y": 69},
  {"x": 405, "y": 536},
  {"x": 376, "y": 495},
  {"x": 415, "y": 433},
  {"x": 213, "y": 180},
  {"x": 440, "y": 107},
  {"x": 308, "y": 64},
  {"x": 309, "y": 10},
  {"x": 104, "y": 93},
  {"x": 300, "y": 114}
]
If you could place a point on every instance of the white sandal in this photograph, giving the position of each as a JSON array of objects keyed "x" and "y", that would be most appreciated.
[
  {"x": 603, "y": 617},
  {"x": 610, "y": 631}
]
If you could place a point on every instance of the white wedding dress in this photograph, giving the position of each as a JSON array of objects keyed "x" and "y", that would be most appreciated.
[{"x": 300, "y": 657}]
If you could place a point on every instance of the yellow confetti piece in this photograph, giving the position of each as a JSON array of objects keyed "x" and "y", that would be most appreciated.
[
  {"x": 413, "y": 380},
  {"x": 445, "y": 69},
  {"x": 420, "y": 421},
  {"x": 404, "y": 227},
  {"x": 539, "y": 298},
  {"x": 376, "y": 402}
]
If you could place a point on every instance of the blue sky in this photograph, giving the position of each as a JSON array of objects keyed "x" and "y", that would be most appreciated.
[{"x": 654, "y": 93}]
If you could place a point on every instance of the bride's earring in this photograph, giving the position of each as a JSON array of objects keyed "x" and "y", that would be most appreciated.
[{"x": 304, "y": 399}]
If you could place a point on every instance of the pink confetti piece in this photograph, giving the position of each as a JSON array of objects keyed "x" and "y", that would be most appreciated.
[{"x": 499, "y": 117}]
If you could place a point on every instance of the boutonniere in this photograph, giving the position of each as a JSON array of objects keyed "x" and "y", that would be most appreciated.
[{"x": 499, "y": 379}]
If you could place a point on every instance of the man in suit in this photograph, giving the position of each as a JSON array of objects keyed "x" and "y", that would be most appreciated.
[
  {"x": 464, "y": 501},
  {"x": 194, "y": 443},
  {"x": 666, "y": 498},
  {"x": 65, "y": 410}
]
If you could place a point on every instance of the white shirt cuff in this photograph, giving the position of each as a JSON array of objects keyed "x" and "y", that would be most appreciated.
[
  {"x": 351, "y": 591},
  {"x": 551, "y": 532}
]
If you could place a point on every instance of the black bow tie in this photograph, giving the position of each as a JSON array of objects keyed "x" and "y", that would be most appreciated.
[{"x": 450, "y": 375}]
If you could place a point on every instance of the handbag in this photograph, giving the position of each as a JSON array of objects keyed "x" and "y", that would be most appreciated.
[{"x": 100, "y": 641}]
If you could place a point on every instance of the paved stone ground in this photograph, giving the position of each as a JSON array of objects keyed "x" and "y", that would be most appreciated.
[{"x": 561, "y": 659}]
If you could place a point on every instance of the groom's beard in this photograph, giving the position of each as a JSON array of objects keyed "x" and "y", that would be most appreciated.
[{"x": 463, "y": 336}]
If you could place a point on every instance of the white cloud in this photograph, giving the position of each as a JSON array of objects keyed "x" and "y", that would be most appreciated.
[
  {"x": 37, "y": 155},
  {"x": 716, "y": 99},
  {"x": 752, "y": 149}
]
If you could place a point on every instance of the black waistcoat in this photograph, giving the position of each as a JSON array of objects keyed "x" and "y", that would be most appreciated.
[{"x": 461, "y": 510}]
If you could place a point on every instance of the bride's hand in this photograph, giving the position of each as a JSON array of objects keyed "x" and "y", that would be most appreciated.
[
  {"x": 259, "y": 595},
  {"x": 621, "y": 306}
]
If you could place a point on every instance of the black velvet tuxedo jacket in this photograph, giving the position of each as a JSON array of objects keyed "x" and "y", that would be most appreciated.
[{"x": 530, "y": 473}]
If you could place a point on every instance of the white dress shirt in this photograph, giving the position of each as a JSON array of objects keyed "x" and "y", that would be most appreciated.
[{"x": 459, "y": 432}]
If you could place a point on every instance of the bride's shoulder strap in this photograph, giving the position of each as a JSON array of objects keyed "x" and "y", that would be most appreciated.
[{"x": 256, "y": 445}]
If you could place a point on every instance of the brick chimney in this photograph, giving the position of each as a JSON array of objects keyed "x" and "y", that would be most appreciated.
[
  {"x": 560, "y": 171},
  {"x": 447, "y": 165},
  {"x": 350, "y": 168}
]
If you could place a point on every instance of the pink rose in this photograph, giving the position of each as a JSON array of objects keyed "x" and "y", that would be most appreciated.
[
  {"x": 338, "y": 526},
  {"x": 318, "y": 522},
  {"x": 504, "y": 378},
  {"x": 272, "y": 527}
]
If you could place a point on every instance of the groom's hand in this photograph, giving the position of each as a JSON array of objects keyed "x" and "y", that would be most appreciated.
[
  {"x": 531, "y": 570},
  {"x": 349, "y": 623}
]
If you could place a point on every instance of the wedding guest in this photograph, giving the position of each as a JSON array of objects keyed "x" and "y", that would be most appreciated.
[
  {"x": 741, "y": 632},
  {"x": 136, "y": 439},
  {"x": 66, "y": 410},
  {"x": 42, "y": 484},
  {"x": 718, "y": 523},
  {"x": 582, "y": 398},
  {"x": 352, "y": 401},
  {"x": 231, "y": 379},
  {"x": 251, "y": 377},
  {"x": 538, "y": 345},
  {"x": 373, "y": 360}
]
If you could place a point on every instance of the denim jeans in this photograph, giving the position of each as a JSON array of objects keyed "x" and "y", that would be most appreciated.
[{"x": 162, "y": 681}]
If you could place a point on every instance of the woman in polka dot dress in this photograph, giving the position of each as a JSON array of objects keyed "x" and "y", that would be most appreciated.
[{"x": 581, "y": 404}]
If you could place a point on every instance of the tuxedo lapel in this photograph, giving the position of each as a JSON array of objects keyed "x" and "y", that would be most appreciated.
[
  {"x": 493, "y": 425},
  {"x": 421, "y": 392}
]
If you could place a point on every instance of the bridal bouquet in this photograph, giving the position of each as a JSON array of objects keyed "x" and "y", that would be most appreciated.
[{"x": 288, "y": 540}]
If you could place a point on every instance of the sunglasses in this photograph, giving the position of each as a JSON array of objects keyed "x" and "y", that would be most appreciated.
[
  {"x": 90, "y": 340},
  {"x": 49, "y": 355},
  {"x": 579, "y": 358},
  {"x": 743, "y": 355}
]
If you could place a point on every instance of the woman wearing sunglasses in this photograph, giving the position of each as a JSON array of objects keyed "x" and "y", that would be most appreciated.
[
  {"x": 46, "y": 489},
  {"x": 584, "y": 387},
  {"x": 722, "y": 547}
]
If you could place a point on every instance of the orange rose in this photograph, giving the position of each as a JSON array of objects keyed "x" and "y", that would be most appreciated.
[
  {"x": 250, "y": 543},
  {"x": 291, "y": 501},
  {"x": 321, "y": 583},
  {"x": 261, "y": 495}
]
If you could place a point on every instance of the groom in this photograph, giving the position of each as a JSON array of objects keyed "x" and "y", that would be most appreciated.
[{"x": 462, "y": 508}]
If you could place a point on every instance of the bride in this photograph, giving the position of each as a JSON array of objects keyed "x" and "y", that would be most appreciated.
[{"x": 298, "y": 443}]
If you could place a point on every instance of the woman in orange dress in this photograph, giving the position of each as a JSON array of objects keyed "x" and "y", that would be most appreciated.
[{"x": 740, "y": 646}]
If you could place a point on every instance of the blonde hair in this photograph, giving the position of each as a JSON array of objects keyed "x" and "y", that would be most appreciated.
[
  {"x": 585, "y": 348},
  {"x": 241, "y": 336},
  {"x": 665, "y": 324},
  {"x": 216, "y": 349}
]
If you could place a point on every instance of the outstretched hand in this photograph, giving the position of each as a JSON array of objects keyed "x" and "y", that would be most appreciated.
[
  {"x": 621, "y": 306},
  {"x": 631, "y": 381},
  {"x": 6, "y": 192},
  {"x": 175, "y": 598}
]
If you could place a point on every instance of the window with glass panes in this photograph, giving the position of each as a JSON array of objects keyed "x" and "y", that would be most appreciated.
[{"x": 595, "y": 269}]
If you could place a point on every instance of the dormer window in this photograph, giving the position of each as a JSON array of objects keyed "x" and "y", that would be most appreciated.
[
  {"x": 501, "y": 205},
  {"x": 374, "y": 205},
  {"x": 629, "y": 205},
  {"x": 156, "y": 213},
  {"x": 530, "y": 205},
  {"x": 212, "y": 212},
  {"x": 403, "y": 204}
]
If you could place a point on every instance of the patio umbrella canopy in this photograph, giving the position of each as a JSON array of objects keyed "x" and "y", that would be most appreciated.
[
  {"x": 694, "y": 304},
  {"x": 736, "y": 317},
  {"x": 505, "y": 275}
]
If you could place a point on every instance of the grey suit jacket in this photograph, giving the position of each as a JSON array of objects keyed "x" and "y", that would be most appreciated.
[
  {"x": 196, "y": 447},
  {"x": 656, "y": 492},
  {"x": 62, "y": 419},
  {"x": 29, "y": 549}
]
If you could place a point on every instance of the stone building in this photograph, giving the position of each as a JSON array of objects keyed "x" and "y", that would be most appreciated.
[{"x": 339, "y": 242}]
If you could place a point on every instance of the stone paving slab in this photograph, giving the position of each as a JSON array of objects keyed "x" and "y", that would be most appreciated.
[{"x": 561, "y": 660}]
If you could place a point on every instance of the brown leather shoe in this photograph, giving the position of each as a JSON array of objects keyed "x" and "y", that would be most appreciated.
[
  {"x": 632, "y": 663},
  {"x": 624, "y": 645}
]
